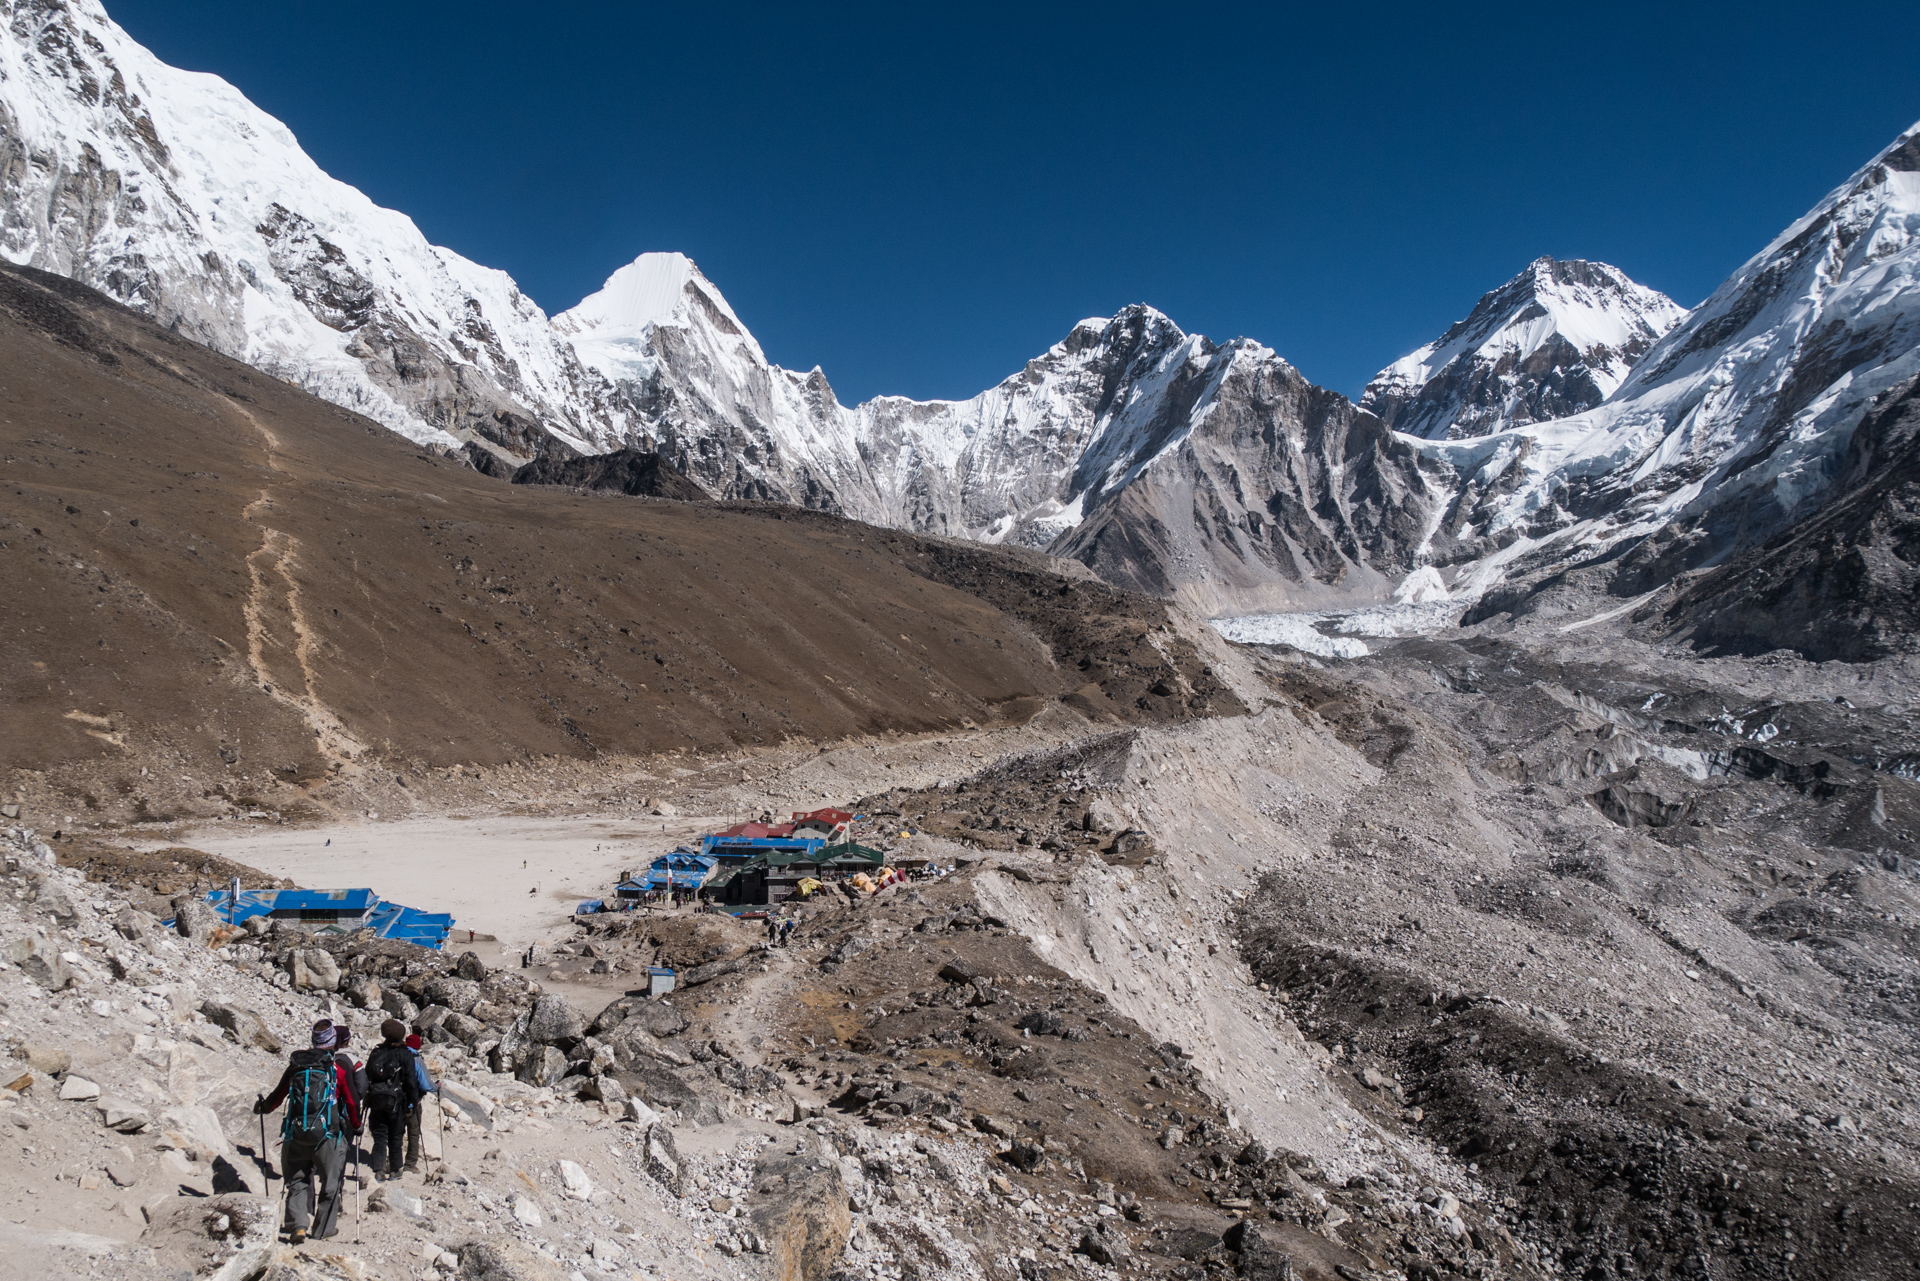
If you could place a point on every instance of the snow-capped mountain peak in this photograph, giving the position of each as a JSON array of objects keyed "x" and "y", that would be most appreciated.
[
  {"x": 1558, "y": 338},
  {"x": 1739, "y": 420},
  {"x": 611, "y": 329}
]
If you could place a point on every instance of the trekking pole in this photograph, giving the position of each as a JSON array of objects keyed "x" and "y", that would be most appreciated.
[
  {"x": 266, "y": 1158},
  {"x": 356, "y": 1191}
]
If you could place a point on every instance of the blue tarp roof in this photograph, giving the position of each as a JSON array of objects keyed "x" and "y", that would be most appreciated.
[
  {"x": 343, "y": 902},
  {"x": 689, "y": 871},
  {"x": 386, "y": 920}
]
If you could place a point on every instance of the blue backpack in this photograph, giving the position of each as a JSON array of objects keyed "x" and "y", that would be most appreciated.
[{"x": 313, "y": 1098}]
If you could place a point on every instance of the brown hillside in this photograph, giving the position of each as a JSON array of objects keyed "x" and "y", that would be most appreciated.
[{"x": 212, "y": 574}]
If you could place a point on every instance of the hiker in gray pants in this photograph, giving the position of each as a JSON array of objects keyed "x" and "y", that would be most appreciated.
[
  {"x": 302, "y": 1162},
  {"x": 323, "y": 1117}
]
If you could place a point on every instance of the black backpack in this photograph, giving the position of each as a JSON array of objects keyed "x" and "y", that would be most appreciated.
[
  {"x": 313, "y": 1098},
  {"x": 391, "y": 1086}
]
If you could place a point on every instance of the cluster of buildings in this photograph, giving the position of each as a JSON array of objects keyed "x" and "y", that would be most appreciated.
[{"x": 755, "y": 864}]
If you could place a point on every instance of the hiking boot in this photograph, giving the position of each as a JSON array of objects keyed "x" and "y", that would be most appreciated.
[{"x": 297, "y": 1237}]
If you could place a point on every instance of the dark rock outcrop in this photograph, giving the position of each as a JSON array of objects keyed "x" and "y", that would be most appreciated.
[
  {"x": 626, "y": 471},
  {"x": 1843, "y": 584}
]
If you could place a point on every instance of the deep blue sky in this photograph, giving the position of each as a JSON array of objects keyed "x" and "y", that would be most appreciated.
[{"x": 920, "y": 198}]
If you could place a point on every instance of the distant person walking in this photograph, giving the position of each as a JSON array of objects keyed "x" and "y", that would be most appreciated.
[
  {"x": 323, "y": 1116},
  {"x": 786, "y": 931}
]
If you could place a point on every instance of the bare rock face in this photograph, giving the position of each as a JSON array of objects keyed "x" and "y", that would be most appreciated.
[
  {"x": 799, "y": 1208},
  {"x": 625, "y": 471},
  {"x": 1842, "y": 584}
]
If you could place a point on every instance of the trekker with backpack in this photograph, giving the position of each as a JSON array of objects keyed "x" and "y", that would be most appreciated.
[
  {"x": 322, "y": 1118},
  {"x": 413, "y": 1114},
  {"x": 393, "y": 1090}
]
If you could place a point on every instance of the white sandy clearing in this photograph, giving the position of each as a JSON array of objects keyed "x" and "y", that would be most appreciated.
[{"x": 469, "y": 866}]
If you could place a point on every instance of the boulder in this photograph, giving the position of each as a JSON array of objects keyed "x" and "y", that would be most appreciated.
[
  {"x": 492, "y": 1013},
  {"x": 123, "y": 1115},
  {"x": 1103, "y": 818},
  {"x": 1108, "y": 1251},
  {"x": 635, "y": 1049},
  {"x": 457, "y": 994},
  {"x": 471, "y": 968},
  {"x": 1041, "y": 1023},
  {"x": 473, "y": 1105},
  {"x": 501, "y": 1258},
  {"x": 78, "y": 1088},
  {"x": 391, "y": 1197},
  {"x": 39, "y": 959},
  {"x": 431, "y": 1017},
  {"x": 574, "y": 1181},
  {"x": 661, "y": 1159},
  {"x": 51, "y": 897},
  {"x": 130, "y": 923},
  {"x": 668, "y": 1091},
  {"x": 242, "y": 1024},
  {"x": 603, "y": 1089},
  {"x": 554, "y": 1019},
  {"x": 1260, "y": 1258},
  {"x": 635, "y": 1110},
  {"x": 463, "y": 1027},
  {"x": 194, "y": 917},
  {"x": 363, "y": 992},
  {"x": 849, "y": 948},
  {"x": 313, "y": 969},
  {"x": 200, "y": 1126},
  {"x": 544, "y": 1066},
  {"x": 226, "y": 1237},
  {"x": 799, "y": 1209},
  {"x": 47, "y": 1060},
  {"x": 398, "y": 1004},
  {"x": 1025, "y": 1157},
  {"x": 959, "y": 971},
  {"x": 513, "y": 1048}
]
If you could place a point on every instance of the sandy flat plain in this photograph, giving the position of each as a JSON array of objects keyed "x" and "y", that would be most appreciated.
[{"x": 469, "y": 866}]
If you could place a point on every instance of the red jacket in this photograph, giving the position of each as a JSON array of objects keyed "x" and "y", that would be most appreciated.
[{"x": 343, "y": 1086}]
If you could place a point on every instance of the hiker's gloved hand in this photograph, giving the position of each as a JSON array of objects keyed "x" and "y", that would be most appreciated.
[{"x": 259, "y": 1106}]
